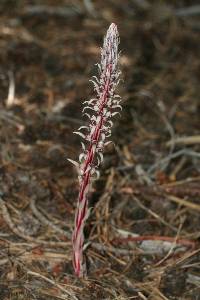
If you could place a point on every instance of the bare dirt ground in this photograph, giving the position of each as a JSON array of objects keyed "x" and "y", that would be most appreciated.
[{"x": 144, "y": 228}]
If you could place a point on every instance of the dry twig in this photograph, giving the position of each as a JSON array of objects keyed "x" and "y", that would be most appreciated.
[
  {"x": 47, "y": 10},
  {"x": 184, "y": 202},
  {"x": 47, "y": 222},
  {"x": 60, "y": 287},
  {"x": 184, "y": 140},
  {"x": 20, "y": 234}
]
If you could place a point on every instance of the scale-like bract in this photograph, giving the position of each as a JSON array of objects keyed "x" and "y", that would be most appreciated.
[{"x": 100, "y": 111}]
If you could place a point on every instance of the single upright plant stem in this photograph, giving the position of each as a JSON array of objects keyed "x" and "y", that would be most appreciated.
[{"x": 100, "y": 111}]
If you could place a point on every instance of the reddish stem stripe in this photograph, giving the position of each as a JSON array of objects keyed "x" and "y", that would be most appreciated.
[{"x": 92, "y": 156}]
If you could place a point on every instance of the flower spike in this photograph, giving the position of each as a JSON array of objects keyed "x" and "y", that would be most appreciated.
[{"x": 103, "y": 108}]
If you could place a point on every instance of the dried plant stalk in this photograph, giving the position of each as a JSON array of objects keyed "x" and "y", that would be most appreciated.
[{"x": 100, "y": 111}]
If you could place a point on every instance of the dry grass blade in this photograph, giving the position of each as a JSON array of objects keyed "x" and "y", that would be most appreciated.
[
  {"x": 186, "y": 140},
  {"x": 60, "y": 287},
  {"x": 47, "y": 222},
  {"x": 184, "y": 202},
  {"x": 22, "y": 235},
  {"x": 155, "y": 215}
]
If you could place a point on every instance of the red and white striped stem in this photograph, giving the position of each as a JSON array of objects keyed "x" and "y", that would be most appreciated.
[{"x": 103, "y": 108}]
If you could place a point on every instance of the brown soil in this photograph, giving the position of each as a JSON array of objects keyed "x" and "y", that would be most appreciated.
[{"x": 144, "y": 226}]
